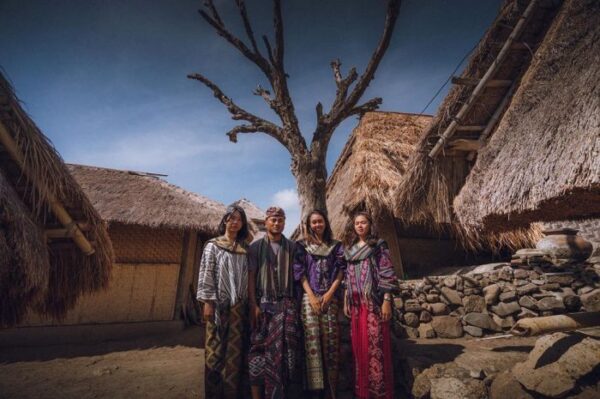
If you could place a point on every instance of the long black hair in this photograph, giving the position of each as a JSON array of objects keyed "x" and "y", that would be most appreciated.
[
  {"x": 352, "y": 237},
  {"x": 310, "y": 236},
  {"x": 244, "y": 232}
]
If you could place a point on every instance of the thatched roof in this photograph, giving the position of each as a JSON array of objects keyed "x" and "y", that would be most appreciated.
[
  {"x": 371, "y": 165},
  {"x": 427, "y": 189},
  {"x": 33, "y": 273},
  {"x": 543, "y": 160},
  {"x": 145, "y": 199},
  {"x": 253, "y": 212}
]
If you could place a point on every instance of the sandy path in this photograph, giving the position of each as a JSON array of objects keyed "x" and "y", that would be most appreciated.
[{"x": 160, "y": 367}]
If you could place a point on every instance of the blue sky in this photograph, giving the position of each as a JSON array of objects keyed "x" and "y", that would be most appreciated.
[{"x": 106, "y": 80}]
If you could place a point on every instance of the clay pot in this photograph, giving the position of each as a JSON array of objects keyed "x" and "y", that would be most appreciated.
[{"x": 565, "y": 244}]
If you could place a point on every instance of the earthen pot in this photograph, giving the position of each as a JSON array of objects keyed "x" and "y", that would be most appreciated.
[{"x": 565, "y": 244}]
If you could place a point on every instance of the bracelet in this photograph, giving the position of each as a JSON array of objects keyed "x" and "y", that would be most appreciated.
[{"x": 387, "y": 298}]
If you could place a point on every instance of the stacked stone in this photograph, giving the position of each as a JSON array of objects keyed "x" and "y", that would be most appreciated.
[{"x": 491, "y": 298}]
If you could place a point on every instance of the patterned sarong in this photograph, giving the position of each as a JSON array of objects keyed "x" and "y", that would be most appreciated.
[
  {"x": 223, "y": 352},
  {"x": 372, "y": 354},
  {"x": 322, "y": 346},
  {"x": 273, "y": 349}
]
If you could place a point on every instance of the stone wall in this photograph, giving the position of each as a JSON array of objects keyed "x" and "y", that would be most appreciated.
[{"x": 490, "y": 298}]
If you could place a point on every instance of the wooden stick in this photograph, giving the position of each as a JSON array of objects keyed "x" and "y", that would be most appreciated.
[
  {"x": 474, "y": 81},
  {"x": 481, "y": 85},
  {"x": 57, "y": 208},
  {"x": 497, "y": 113},
  {"x": 467, "y": 128}
]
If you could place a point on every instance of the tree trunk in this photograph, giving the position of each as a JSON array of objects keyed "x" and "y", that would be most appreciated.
[{"x": 311, "y": 183}]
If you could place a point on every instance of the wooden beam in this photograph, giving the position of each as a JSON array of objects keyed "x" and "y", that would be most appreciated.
[
  {"x": 474, "y": 82},
  {"x": 467, "y": 128},
  {"x": 57, "y": 208},
  {"x": 64, "y": 233},
  {"x": 466, "y": 107},
  {"x": 464, "y": 145}
]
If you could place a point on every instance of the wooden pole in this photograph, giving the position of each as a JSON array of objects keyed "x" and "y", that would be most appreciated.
[
  {"x": 482, "y": 83},
  {"x": 57, "y": 208}
]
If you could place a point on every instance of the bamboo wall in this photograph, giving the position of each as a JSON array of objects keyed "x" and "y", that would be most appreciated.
[{"x": 145, "y": 279}]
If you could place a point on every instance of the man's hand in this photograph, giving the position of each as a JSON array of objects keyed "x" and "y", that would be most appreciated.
[
  {"x": 209, "y": 312},
  {"x": 254, "y": 316}
]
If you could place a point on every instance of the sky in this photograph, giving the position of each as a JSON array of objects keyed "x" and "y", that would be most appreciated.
[{"x": 105, "y": 80}]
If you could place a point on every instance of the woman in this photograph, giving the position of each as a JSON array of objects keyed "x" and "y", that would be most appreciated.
[
  {"x": 369, "y": 281},
  {"x": 319, "y": 267},
  {"x": 223, "y": 288}
]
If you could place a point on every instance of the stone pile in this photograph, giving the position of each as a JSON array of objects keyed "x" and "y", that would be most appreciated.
[{"x": 490, "y": 298}]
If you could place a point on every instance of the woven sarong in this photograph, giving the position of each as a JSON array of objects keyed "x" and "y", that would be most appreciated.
[
  {"x": 273, "y": 349},
  {"x": 372, "y": 354},
  {"x": 223, "y": 352},
  {"x": 322, "y": 346}
]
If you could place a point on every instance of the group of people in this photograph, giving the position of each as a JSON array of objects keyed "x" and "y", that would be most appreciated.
[{"x": 285, "y": 296}]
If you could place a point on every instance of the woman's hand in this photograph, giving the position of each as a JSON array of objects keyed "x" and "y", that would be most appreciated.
[
  {"x": 327, "y": 297},
  {"x": 254, "y": 315},
  {"x": 209, "y": 312},
  {"x": 386, "y": 311},
  {"x": 346, "y": 307},
  {"x": 315, "y": 303}
]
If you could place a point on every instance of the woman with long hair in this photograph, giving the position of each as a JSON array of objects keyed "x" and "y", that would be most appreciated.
[
  {"x": 319, "y": 267},
  {"x": 369, "y": 281},
  {"x": 223, "y": 288}
]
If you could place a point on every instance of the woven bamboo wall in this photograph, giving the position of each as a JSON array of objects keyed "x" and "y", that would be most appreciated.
[{"x": 139, "y": 244}]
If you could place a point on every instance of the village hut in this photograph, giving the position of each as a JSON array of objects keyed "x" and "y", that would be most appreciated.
[
  {"x": 157, "y": 230},
  {"x": 366, "y": 174},
  {"x": 54, "y": 247},
  {"x": 255, "y": 215},
  {"x": 514, "y": 155}
]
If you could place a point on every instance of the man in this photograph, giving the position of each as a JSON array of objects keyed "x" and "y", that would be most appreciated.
[{"x": 273, "y": 310}]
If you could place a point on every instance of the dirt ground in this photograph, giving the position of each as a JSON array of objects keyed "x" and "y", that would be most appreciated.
[
  {"x": 173, "y": 366},
  {"x": 155, "y": 367}
]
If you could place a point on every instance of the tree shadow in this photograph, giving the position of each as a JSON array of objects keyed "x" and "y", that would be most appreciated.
[{"x": 517, "y": 348}]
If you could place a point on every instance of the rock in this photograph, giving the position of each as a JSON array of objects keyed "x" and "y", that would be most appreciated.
[
  {"x": 425, "y": 317},
  {"x": 506, "y": 308},
  {"x": 491, "y": 293},
  {"x": 550, "y": 303},
  {"x": 520, "y": 283},
  {"x": 526, "y": 313},
  {"x": 481, "y": 320},
  {"x": 412, "y": 332},
  {"x": 473, "y": 303},
  {"x": 411, "y": 319},
  {"x": 572, "y": 303},
  {"x": 559, "y": 278},
  {"x": 473, "y": 331},
  {"x": 506, "y": 386},
  {"x": 454, "y": 388},
  {"x": 520, "y": 274},
  {"x": 432, "y": 298},
  {"x": 451, "y": 295},
  {"x": 450, "y": 281},
  {"x": 426, "y": 330},
  {"x": 459, "y": 283},
  {"x": 506, "y": 273},
  {"x": 550, "y": 286},
  {"x": 585, "y": 289},
  {"x": 591, "y": 301},
  {"x": 487, "y": 268},
  {"x": 557, "y": 362},
  {"x": 398, "y": 303},
  {"x": 528, "y": 302},
  {"x": 506, "y": 322},
  {"x": 478, "y": 374},
  {"x": 439, "y": 309},
  {"x": 527, "y": 289},
  {"x": 567, "y": 291},
  {"x": 447, "y": 327},
  {"x": 412, "y": 305},
  {"x": 509, "y": 296},
  {"x": 472, "y": 291}
]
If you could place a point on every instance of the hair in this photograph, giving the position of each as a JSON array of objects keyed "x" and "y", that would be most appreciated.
[
  {"x": 309, "y": 234},
  {"x": 244, "y": 232},
  {"x": 351, "y": 237}
]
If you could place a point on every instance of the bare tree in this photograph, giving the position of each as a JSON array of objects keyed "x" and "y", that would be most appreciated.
[{"x": 308, "y": 163}]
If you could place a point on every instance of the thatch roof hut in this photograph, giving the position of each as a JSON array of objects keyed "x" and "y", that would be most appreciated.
[
  {"x": 482, "y": 93},
  {"x": 53, "y": 244},
  {"x": 543, "y": 160},
  {"x": 158, "y": 231}
]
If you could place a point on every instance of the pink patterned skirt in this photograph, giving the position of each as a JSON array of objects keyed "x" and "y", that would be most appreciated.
[{"x": 372, "y": 354}]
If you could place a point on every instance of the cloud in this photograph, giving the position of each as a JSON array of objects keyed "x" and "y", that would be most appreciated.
[{"x": 288, "y": 200}]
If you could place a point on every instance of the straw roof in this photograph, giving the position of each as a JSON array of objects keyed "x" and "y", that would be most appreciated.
[
  {"x": 427, "y": 190},
  {"x": 253, "y": 212},
  {"x": 543, "y": 161},
  {"x": 33, "y": 273},
  {"x": 371, "y": 165},
  {"x": 145, "y": 199}
]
